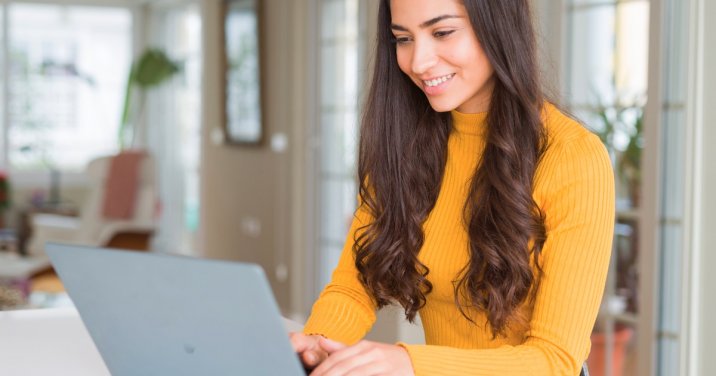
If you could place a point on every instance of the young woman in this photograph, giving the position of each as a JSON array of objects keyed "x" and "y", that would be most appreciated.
[{"x": 482, "y": 207}]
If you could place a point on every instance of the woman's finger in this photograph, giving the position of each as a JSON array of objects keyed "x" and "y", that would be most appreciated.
[
  {"x": 331, "y": 346},
  {"x": 342, "y": 359},
  {"x": 299, "y": 341}
]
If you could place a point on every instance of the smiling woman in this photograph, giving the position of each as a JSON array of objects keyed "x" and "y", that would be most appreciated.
[{"x": 482, "y": 207}]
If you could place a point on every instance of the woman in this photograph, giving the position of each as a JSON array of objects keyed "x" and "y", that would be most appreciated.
[{"x": 482, "y": 207}]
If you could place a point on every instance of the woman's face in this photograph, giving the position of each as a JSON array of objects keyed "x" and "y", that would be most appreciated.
[{"x": 438, "y": 49}]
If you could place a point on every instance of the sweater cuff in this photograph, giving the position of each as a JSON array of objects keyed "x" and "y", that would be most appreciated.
[{"x": 339, "y": 322}]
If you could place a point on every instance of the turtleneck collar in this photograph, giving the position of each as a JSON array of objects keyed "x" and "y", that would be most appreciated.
[{"x": 469, "y": 123}]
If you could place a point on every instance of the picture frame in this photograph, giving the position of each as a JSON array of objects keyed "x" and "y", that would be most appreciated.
[{"x": 243, "y": 104}]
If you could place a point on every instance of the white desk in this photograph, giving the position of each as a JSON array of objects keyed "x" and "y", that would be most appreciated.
[
  {"x": 53, "y": 341},
  {"x": 47, "y": 342}
]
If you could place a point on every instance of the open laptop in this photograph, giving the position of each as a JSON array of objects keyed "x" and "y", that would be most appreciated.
[{"x": 155, "y": 314}]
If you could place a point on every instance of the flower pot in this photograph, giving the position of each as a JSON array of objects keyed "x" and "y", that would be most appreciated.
[{"x": 597, "y": 357}]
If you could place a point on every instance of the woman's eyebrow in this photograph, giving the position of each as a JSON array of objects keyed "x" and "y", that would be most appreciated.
[{"x": 425, "y": 24}]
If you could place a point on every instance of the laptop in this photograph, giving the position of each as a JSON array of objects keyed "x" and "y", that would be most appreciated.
[{"x": 157, "y": 314}]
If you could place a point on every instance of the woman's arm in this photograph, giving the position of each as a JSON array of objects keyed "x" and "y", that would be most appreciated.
[{"x": 345, "y": 311}]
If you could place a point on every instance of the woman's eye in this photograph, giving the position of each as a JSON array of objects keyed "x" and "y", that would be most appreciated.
[
  {"x": 443, "y": 34},
  {"x": 401, "y": 40}
]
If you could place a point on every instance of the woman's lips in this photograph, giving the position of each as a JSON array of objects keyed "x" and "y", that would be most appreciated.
[{"x": 437, "y": 85}]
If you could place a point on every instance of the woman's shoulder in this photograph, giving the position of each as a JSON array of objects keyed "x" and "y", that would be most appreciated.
[
  {"x": 562, "y": 129},
  {"x": 571, "y": 146}
]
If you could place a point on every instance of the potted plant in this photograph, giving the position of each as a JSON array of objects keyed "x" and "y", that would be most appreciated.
[
  {"x": 4, "y": 197},
  {"x": 622, "y": 133},
  {"x": 151, "y": 69},
  {"x": 620, "y": 337}
]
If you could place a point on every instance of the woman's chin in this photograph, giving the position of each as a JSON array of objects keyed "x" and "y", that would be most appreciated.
[{"x": 442, "y": 106}]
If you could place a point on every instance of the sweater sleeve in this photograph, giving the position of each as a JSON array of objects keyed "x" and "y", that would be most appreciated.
[
  {"x": 579, "y": 206},
  {"x": 344, "y": 311}
]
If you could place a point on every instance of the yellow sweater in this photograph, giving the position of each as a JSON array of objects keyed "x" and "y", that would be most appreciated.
[{"x": 574, "y": 186}]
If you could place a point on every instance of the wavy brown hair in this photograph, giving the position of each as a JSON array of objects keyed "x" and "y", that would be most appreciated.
[{"x": 403, "y": 151}]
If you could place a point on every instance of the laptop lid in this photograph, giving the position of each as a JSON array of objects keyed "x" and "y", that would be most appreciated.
[{"x": 156, "y": 314}]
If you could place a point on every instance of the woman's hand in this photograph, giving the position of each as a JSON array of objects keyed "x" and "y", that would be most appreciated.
[
  {"x": 363, "y": 358},
  {"x": 308, "y": 349}
]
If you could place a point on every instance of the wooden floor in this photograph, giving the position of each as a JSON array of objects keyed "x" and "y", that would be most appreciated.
[{"x": 47, "y": 281}]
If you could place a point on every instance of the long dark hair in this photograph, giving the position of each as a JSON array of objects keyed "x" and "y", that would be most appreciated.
[{"x": 403, "y": 151}]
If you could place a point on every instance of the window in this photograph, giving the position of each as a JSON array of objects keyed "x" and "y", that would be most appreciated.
[
  {"x": 606, "y": 88},
  {"x": 174, "y": 134},
  {"x": 340, "y": 80},
  {"x": 676, "y": 135},
  {"x": 66, "y": 77}
]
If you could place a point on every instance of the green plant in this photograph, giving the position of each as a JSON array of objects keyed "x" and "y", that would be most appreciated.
[
  {"x": 4, "y": 197},
  {"x": 620, "y": 127},
  {"x": 622, "y": 134},
  {"x": 151, "y": 69},
  {"x": 4, "y": 192}
]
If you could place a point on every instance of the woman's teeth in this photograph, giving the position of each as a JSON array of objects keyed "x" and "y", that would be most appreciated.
[{"x": 438, "y": 81}]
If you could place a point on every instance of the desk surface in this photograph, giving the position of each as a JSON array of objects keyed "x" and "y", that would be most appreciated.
[
  {"x": 53, "y": 341},
  {"x": 47, "y": 342}
]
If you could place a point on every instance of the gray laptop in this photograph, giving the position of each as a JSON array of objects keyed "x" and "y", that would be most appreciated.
[{"x": 154, "y": 314}]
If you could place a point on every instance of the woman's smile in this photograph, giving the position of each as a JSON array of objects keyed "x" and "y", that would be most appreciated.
[{"x": 437, "y": 85}]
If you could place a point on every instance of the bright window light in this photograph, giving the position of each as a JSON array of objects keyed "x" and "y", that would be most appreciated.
[{"x": 68, "y": 69}]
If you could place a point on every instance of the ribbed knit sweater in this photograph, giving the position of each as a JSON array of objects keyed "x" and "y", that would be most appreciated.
[{"x": 574, "y": 186}]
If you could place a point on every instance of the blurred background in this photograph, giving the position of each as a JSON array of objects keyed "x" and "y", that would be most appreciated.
[{"x": 236, "y": 123}]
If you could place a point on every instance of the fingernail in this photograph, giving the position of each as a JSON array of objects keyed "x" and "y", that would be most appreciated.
[{"x": 310, "y": 358}]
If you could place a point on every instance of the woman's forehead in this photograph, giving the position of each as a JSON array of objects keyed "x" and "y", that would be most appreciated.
[{"x": 415, "y": 12}]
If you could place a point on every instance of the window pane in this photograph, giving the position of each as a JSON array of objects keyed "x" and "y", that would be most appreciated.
[
  {"x": 175, "y": 135},
  {"x": 331, "y": 255},
  {"x": 338, "y": 143},
  {"x": 670, "y": 300},
  {"x": 676, "y": 52},
  {"x": 673, "y": 174},
  {"x": 68, "y": 71},
  {"x": 243, "y": 93},
  {"x": 592, "y": 56},
  {"x": 339, "y": 20},
  {"x": 3, "y": 101},
  {"x": 631, "y": 53},
  {"x": 339, "y": 74},
  {"x": 339, "y": 65},
  {"x": 591, "y": 3},
  {"x": 338, "y": 202}
]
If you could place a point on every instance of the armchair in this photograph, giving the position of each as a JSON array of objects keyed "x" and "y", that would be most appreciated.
[{"x": 93, "y": 227}]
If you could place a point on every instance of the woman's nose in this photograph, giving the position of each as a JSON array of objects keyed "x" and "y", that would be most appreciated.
[{"x": 424, "y": 57}]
